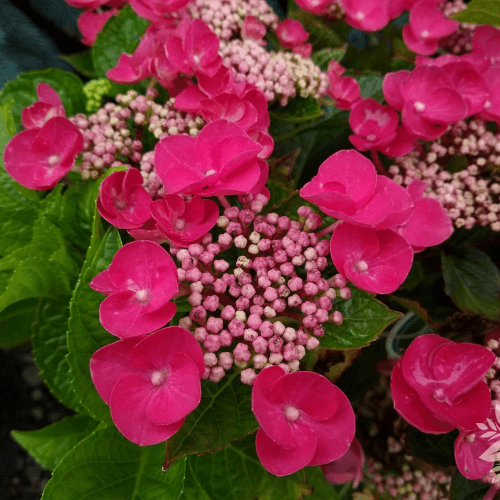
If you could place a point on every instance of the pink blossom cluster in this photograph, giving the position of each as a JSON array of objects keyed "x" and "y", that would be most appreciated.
[
  {"x": 279, "y": 75},
  {"x": 226, "y": 17},
  {"x": 411, "y": 483},
  {"x": 292, "y": 35},
  {"x": 261, "y": 311},
  {"x": 380, "y": 225},
  {"x": 469, "y": 196}
]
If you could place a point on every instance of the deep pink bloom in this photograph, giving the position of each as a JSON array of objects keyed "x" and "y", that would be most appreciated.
[
  {"x": 491, "y": 109},
  {"x": 348, "y": 188},
  {"x": 486, "y": 44},
  {"x": 366, "y": 15},
  {"x": 478, "y": 449},
  {"x": 291, "y": 33},
  {"x": 439, "y": 385},
  {"x": 39, "y": 158},
  {"x": 427, "y": 25},
  {"x": 149, "y": 231},
  {"x": 304, "y": 420},
  {"x": 157, "y": 10},
  {"x": 344, "y": 90},
  {"x": 123, "y": 201},
  {"x": 194, "y": 48},
  {"x": 221, "y": 160},
  {"x": 304, "y": 49},
  {"x": 184, "y": 222},
  {"x": 91, "y": 23},
  {"x": 348, "y": 467},
  {"x": 481, "y": 64},
  {"x": 429, "y": 223},
  {"x": 140, "y": 282},
  {"x": 49, "y": 104},
  {"x": 314, "y": 6},
  {"x": 375, "y": 261},
  {"x": 150, "y": 383},
  {"x": 428, "y": 101},
  {"x": 86, "y": 4},
  {"x": 253, "y": 28}
]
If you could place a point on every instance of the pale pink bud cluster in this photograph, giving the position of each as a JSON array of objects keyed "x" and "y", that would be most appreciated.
[
  {"x": 279, "y": 75},
  {"x": 459, "y": 42},
  {"x": 226, "y": 17},
  {"x": 470, "y": 196},
  {"x": 270, "y": 307},
  {"x": 411, "y": 484}
]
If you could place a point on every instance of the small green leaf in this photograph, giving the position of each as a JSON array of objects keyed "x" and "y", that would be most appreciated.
[
  {"x": 85, "y": 333},
  {"x": 105, "y": 465},
  {"x": 7, "y": 125},
  {"x": 463, "y": 489},
  {"x": 322, "y": 57},
  {"x": 472, "y": 281},
  {"x": 223, "y": 415},
  {"x": 480, "y": 12},
  {"x": 321, "y": 35},
  {"x": 364, "y": 319},
  {"x": 456, "y": 164},
  {"x": 49, "y": 329},
  {"x": 50, "y": 444},
  {"x": 236, "y": 472},
  {"x": 433, "y": 449},
  {"x": 16, "y": 321},
  {"x": 121, "y": 34},
  {"x": 82, "y": 62},
  {"x": 22, "y": 91},
  {"x": 322, "y": 489},
  {"x": 371, "y": 86},
  {"x": 299, "y": 109}
]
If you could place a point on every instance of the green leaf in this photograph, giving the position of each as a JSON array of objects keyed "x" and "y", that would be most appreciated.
[
  {"x": 50, "y": 444},
  {"x": 82, "y": 62},
  {"x": 16, "y": 321},
  {"x": 50, "y": 349},
  {"x": 105, "y": 465},
  {"x": 321, "y": 35},
  {"x": 371, "y": 86},
  {"x": 223, "y": 415},
  {"x": 7, "y": 125},
  {"x": 85, "y": 333},
  {"x": 480, "y": 12},
  {"x": 364, "y": 319},
  {"x": 463, "y": 489},
  {"x": 322, "y": 57},
  {"x": 299, "y": 109},
  {"x": 322, "y": 489},
  {"x": 120, "y": 34},
  {"x": 235, "y": 472},
  {"x": 22, "y": 91},
  {"x": 433, "y": 449},
  {"x": 472, "y": 281}
]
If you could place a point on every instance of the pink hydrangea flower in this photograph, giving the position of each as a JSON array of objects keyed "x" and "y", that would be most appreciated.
[
  {"x": 344, "y": 90},
  {"x": 157, "y": 10},
  {"x": 49, "y": 104},
  {"x": 366, "y": 15},
  {"x": 91, "y": 23},
  {"x": 221, "y": 160},
  {"x": 86, "y": 4},
  {"x": 438, "y": 385},
  {"x": 477, "y": 450},
  {"x": 315, "y": 6},
  {"x": 184, "y": 222},
  {"x": 304, "y": 420},
  {"x": 348, "y": 188},
  {"x": 291, "y": 33},
  {"x": 428, "y": 101},
  {"x": 123, "y": 201},
  {"x": 40, "y": 157},
  {"x": 375, "y": 261},
  {"x": 427, "y": 25},
  {"x": 253, "y": 28},
  {"x": 194, "y": 48},
  {"x": 486, "y": 44},
  {"x": 429, "y": 223},
  {"x": 304, "y": 49},
  {"x": 348, "y": 467},
  {"x": 150, "y": 383},
  {"x": 140, "y": 282}
]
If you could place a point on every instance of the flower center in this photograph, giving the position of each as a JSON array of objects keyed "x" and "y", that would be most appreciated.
[
  {"x": 291, "y": 413},
  {"x": 158, "y": 377},
  {"x": 180, "y": 224},
  {"x": 120, "y": 204},
  {"x": 439, "y": 395},
  {"x": 424, "y": 34},
  {"x": 419, "y": 106},
  {"x": 470, "y": 438},
  {"x": 54, "y": 160},
  {"x": 143, "y": 296},
  {"x": 209, "y": 172},
  {"x": 361, "y": 266},
  {"x": 360, "y": 16}
]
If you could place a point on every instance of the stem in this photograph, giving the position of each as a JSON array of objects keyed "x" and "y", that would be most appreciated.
[
  {"x": 223, "y": 201},
  {"x": 328, "y": 229},
  {"x": 491, "y": 492},
  {"x": 378, "y": 164}
]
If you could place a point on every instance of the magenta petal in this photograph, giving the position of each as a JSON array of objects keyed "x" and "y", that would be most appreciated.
[
  {"x": 349, "y": 467},
  {"x": 102, "y": 283},
  {"x": 402, "y": 204},
  {"x": 129, "y": 401},
  {"x": 281, "y": 461},
  {"x": 157, "y": 350},
  {"x": 426, "y": 17},
  {"x": 189, "y": 99},
  {"x": 467, "y": 457},
  {"x": 269, "y": 414},
  {"x": 334, "y": 435},
  {"x": 417, "y": 125},
  {"x": 409, "y": 405},
  {"x": 111, "y": 363},
  {"x": 444, "y": 106},
  {"x": 392, "y": 88},
  {"x": 47, "y": 94},
  {"x": 309, "y": 392},
  {"x": 179, "y": 395}
]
